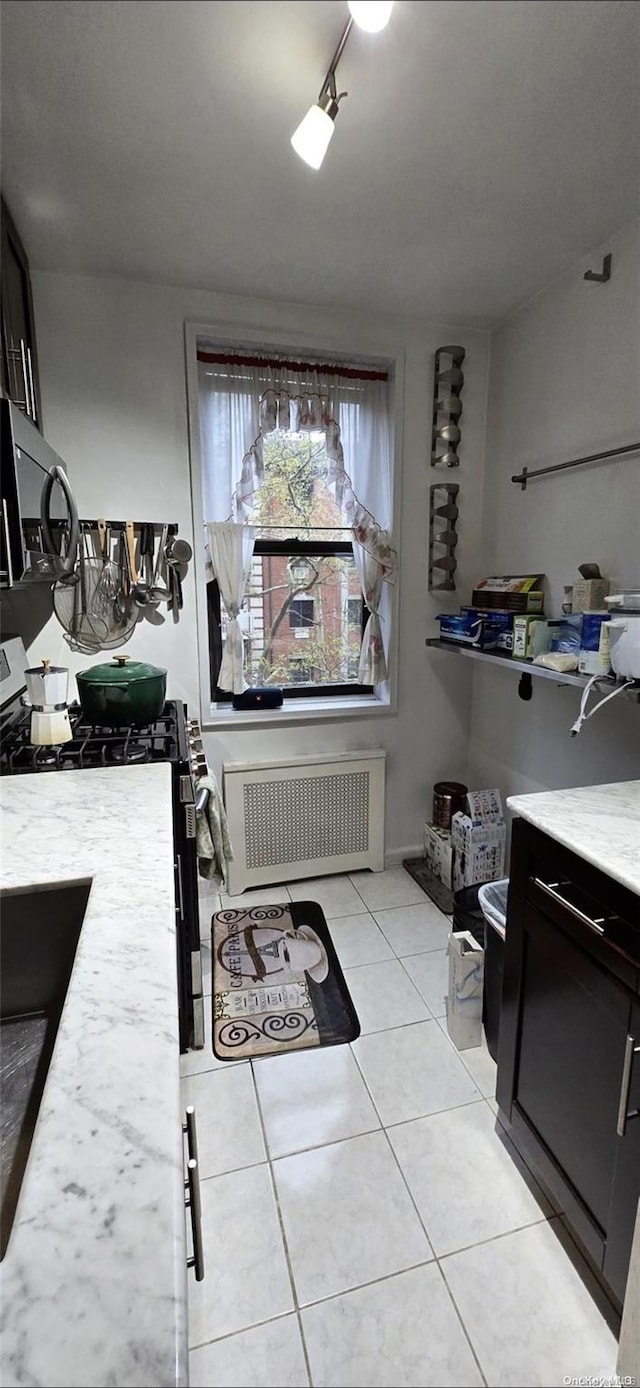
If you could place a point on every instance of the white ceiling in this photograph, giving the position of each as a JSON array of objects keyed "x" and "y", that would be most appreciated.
[{"x": 483, "y": 147}]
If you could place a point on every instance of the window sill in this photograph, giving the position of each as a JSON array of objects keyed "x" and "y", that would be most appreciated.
[{"x": 303, "y": 711}]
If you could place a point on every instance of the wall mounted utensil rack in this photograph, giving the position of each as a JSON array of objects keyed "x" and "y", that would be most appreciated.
[
  {"x": 447, "y": 406},
  {"x": 525, "y": 669},
  {"x": 443, "y": 536},
  {"x": 116, "y": 526},
  {"x": 525, "y": 476}
]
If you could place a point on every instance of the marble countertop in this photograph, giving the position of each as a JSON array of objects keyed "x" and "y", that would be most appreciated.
[
  {"x": 93, "y": 1284},
  {"x": 599, "y": 823}
]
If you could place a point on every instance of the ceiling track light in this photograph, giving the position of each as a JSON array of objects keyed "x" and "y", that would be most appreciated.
[{"x": 312, "y": 137}]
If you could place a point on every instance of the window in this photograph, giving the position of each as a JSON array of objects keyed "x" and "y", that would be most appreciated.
[
  {"x": 303, "y": 616},
  {"x": 301, "y": 613}
]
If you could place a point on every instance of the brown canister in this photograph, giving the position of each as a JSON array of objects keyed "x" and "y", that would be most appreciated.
[{"x": 448, "y": 798}]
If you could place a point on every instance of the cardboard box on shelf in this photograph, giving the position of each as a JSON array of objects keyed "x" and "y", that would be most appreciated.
[
  {"x": 478, "y": 840},
  {"x": 438, "y": 852},
  {"x": 589, "y": 594},
  {"x": 530, "y": 637}
]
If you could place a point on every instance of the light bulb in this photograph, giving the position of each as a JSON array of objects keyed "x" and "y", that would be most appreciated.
[
  {"x": 372, "y": 15},
  {"x": 312, "y": 137}
]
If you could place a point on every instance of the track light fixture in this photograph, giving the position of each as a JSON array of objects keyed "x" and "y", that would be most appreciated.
[{"x": 311, "y": 139}]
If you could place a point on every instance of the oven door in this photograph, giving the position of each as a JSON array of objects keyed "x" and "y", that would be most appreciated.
[{"x": 187, "y": 916}]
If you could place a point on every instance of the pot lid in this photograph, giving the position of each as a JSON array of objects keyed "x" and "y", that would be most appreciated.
[
  {"x": 46, "y": 668},
  {"x": 121, "y": 668}
]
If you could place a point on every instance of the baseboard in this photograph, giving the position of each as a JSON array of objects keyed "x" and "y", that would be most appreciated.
[{"x": 394, "y": 856}]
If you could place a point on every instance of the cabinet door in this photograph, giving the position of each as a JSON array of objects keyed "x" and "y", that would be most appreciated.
[
  {"x": 626, "y": 1181},
  {"x": 19, "y": 362},
  {"x": 574, "y": 1021}
]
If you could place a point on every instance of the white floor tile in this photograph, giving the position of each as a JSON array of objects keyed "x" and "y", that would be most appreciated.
[
  {"x": 384, "y": 996},
  {"x": 358, "y": 940},
  {"x": 482, "y": 1068},
  {"x": 335, "y": 895},
  {"x": 412, "y": 1071},
  {"x": 402, "y": 1331},
  {"x": 246, "y": 1278},
  {"x": 394, "y": 887},
  {"x": 348, "y": 1217},
  {"x": 430, "y": 973},
  {"x": 527, "y": 1312},
  {"x": 269, "y": 1356},
  {"x": 227, "y": 1119},
  {"x": 478, "y": 1062},
  {"x": 414, "y": 929},
  {"x": 256, "y": 896},
  {"x": 312, "y": 1097},
  {"x": 463, "y": 1179},
  {"x": 195, "y": 1062}
]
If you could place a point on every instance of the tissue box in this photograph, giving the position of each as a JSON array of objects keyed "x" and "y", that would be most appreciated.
[
  {"x": 530, "y": 637},
  {"x": 438, "y": 852},
  {"x": 589, "y": 594},
  {"x": 478, "y": 840}
]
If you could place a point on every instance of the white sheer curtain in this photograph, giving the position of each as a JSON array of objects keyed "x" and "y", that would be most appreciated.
[
  {"x": 231, "y": 549},
  {"x": 372, "y": 668},
  {"x": 243, "y": 400}
]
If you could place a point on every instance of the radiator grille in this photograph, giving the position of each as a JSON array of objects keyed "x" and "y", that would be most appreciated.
[{"x": 293, "y": 820}]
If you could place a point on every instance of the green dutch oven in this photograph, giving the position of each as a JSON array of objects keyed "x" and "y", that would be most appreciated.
[{"x": 127, "y": 691}]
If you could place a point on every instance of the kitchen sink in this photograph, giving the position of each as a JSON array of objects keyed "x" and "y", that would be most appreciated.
[{"x": 39, "y": 933}]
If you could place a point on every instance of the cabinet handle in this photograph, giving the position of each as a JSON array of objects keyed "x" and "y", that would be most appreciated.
[
  {"x": 25, "y": 378},
  {"x": 192, "y": 1195},
  {"x": 180, "y": 887},
  {"x": 630, "y": 1050},
  {"x": 551, "y": 888},
  {"x": 7, "y": 542},
  {"x": 31, "y": 390}
]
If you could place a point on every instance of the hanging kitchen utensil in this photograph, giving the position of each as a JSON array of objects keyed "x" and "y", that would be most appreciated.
[
  {"x": 142, "y": 584},
  {"x": 109, "y": 581},
  {"x": 73, "y": 602},
  {"x": 178, "y": 551},
  {"x": 159, "y": 591}
]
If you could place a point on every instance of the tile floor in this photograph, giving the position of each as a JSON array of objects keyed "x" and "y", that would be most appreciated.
[{"x": 364, "y": 1223}]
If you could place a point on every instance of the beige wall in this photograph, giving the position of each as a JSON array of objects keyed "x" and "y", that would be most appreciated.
[
  {"x": 564, "y": 382},
  {"x": 115, "y": 407}
]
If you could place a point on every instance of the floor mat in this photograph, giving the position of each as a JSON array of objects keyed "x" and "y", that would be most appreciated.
[{"x": 277, "y": 982}]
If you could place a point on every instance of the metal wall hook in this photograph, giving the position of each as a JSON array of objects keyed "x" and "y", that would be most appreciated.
[{"x": 604, "y": 276}]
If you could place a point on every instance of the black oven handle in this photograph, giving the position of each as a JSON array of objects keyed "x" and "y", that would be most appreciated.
[{"x": 58, "y": 474}]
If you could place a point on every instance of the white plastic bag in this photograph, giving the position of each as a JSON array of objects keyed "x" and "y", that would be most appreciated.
[{"x": 466, "y": 980}]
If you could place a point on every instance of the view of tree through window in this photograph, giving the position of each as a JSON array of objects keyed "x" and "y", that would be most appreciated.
[{"x": 303, "y": 612}]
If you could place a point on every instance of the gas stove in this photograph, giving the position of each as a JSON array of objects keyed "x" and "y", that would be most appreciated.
[
  {"x": 90, "y": 746},
  {"x": 171, "y": 738}
]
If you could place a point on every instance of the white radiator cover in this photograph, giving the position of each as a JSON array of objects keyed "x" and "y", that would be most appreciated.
[{"x": 304, "y": 817}]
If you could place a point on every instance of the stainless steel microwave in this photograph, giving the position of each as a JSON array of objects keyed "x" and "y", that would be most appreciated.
[{"x": 39, "y": 521}]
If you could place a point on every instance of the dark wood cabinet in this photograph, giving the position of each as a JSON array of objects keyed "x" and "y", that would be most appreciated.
[
  {"x": 567, "y": 1069},
  {"x": 19, "y": 358}
]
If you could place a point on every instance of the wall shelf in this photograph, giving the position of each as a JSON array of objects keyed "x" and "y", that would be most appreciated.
[{"x": 525, "y": 669}]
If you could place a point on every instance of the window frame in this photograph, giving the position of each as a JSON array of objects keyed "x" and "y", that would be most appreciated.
[
  {"x": 292, "y": 546},
  {"x": 342, "y": 339}
]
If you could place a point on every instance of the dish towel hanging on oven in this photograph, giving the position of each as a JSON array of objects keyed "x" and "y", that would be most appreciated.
[{"x": 213, "y": 843}]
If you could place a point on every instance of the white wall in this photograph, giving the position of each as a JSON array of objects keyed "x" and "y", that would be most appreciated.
[
  {"x": 564, "y": 382},
  {"x": 114, "y": 405}
]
